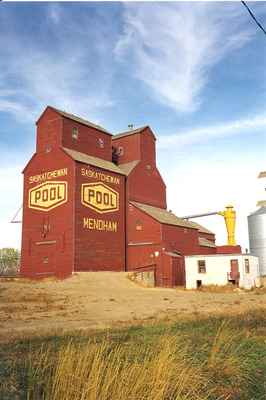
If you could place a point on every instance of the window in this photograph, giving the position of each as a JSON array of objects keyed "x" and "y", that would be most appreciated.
[
  {"x": 48, "y": 148},
  {"x": 139, "y": 226},
  {"x": 120, "y": 150},
  {"x": 201, "y": 267},
  {"x": 101, "y": 143},
  {"x": 247, "y": 268},
  {"x": 45, "y": 260},
  {"x": 149, "y": 169},
  {"x": 75, "y": 133}
]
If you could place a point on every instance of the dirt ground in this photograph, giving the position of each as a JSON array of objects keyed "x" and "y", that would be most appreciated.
[{"x": 103, "y": 300}]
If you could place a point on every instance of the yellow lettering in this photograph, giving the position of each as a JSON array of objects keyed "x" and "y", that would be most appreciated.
[
  {"x": 99, "y": 197},
  {"x": 47, "y": 195},
  {"x": 85, "y": 222},
  {"x": 100, "y": 176},
  {"x": 47, "y": 175},
  {"x": 91, "y": 223},
  {"x": 100, "y": 225}
]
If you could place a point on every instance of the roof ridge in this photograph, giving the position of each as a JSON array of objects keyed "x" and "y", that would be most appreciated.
[
  {"x": 129, "y": 166},
  {"x": 96, "y": 161},
  {"x": 164, "y": 215},
  {"x": 201, "y": 228},
  {"x": 130, "y": 162},
  {"x": 132, "y": 132},
  {"x": 79, "y": 119},
  {"x": 206, "y": 242}
]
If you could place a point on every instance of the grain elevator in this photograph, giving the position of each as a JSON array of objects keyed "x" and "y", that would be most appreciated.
[
  {"x": 257, "y": 232},
  {"x": 94, "y": 201}
]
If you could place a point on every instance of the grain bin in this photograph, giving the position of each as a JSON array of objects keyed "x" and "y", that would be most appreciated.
[{"x": 257, "y": 237}]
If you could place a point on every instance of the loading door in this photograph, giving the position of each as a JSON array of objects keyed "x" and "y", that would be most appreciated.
[
  {"x": 178, "y": 271},
  {"x": 234, "y": 271}
]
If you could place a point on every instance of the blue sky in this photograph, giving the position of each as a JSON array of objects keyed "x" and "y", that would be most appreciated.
[{"x": 195, "y": 72}]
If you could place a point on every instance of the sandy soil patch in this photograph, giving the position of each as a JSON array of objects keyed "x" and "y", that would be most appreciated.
[{"x": 98, "y": 300}]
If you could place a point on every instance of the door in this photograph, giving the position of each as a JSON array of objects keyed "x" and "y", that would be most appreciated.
[
  {"x": 178, "y": 271},
  {"x": 234, "y": 271}
]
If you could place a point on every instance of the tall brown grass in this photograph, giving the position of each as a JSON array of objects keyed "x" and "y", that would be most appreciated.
[{"x": 164, "y": 370}]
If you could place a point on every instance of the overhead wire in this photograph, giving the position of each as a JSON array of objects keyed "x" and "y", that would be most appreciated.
[{"x": 253, "y": 17}]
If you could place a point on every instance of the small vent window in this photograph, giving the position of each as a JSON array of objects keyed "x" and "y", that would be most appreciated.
[
  {"x": 45, "y": 260},
  {"x": 149, "y": 169},
  {"x": 48, "y": 148},
  {"x": 75, "y": 133},
  {"x": 201, "y": 267},
  {"x": 247, "y": 268},
  {"x": 120, "y": 150},
  {"x": 139, "y": 225},
  {"x": 101, "y": 143}
]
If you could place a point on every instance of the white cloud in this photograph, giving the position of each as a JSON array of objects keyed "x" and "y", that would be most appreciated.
[
  {"x": 203, "y": 185},
  {"x": 11, "y": 199},
  {"x": 55, "y": 13},
  {"x": 16, "y": 108},
  {"x": 204, "y": 134},
  {"x": 56, "y": 67},
  {"x": 172, "y": 47}
]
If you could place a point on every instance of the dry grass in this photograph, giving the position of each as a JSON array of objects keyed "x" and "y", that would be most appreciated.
[
  {"x": 165, "y": 370},
  {"x": 103, "y": 300},
  {"x": 217, "y": 288},
  {"x": 96, "y": 372},
  {"x": 259, "y": 291}
]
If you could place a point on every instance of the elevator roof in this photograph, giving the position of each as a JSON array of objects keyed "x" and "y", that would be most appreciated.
[
  {"x": 95, "y": 161},
  {"x": 163, "y": 216}
]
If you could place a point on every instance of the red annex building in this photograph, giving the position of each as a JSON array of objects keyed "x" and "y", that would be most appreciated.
[{"x": 94, "y": 201}]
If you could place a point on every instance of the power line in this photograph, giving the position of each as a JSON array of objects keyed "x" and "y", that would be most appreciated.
[{"x": 253, "y": 17}]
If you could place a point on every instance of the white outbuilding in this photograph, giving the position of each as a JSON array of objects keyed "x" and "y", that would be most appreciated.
[{"x": 221, "y": 269}]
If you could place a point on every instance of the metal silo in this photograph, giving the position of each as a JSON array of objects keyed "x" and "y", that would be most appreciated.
[{"x": 257, "y": 237}]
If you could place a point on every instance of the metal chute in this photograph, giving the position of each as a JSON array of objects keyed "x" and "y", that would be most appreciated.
[{"x": 229, "y": 215}]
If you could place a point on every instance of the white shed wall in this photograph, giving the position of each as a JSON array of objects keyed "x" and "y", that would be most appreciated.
[{"x": 217, "y": 269}]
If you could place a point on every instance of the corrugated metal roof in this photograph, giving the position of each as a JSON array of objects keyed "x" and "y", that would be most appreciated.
[
  {"x": 128, "y": 167},
  {"x": 206, "y": 243},
  {"x": 131, "y": 132},
  {"x": 201, "y": 228},
  {"x": 97, "y": 162},
  {"x": 163, "y": 216},
  {"x": 80, "y": 120}
]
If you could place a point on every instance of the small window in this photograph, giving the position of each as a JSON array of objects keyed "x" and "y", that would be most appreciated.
[
  {"x": 45, "y": 260},
  {"x": 48, "y": 148},
  {"x": 139, "y": 226},
  {"x": 101, "y": 143},
  {"x": 120, "y": 150},
  {"x": 247, "y": 268},
  {"x": 75, "y": 133},
  {"x": 201, "y": 267}
]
